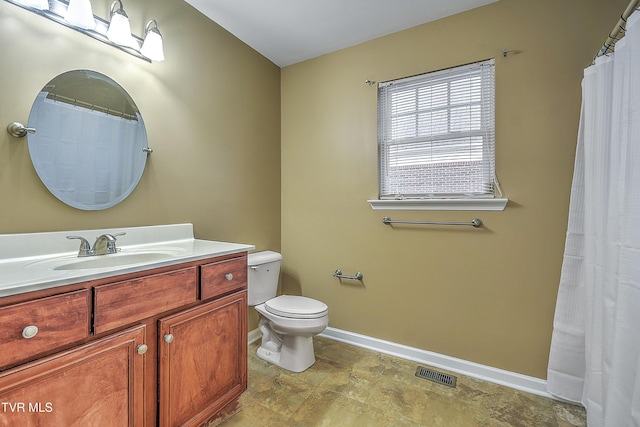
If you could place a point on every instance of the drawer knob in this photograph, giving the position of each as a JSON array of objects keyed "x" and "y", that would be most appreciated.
[
  {"x": 30, "y": 331},
  {"x": 142, "y": 349},
  {"x": 228, "y": 276},
  {"x": 168, "y": 338}
]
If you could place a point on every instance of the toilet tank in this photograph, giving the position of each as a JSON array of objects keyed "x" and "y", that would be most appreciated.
[{"x": 262, "y": 276}]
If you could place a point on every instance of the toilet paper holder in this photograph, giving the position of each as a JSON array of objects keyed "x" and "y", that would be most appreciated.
[{"x": 339, "y": 275}]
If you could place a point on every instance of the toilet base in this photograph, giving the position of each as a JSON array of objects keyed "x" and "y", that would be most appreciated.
[{"x": 295, "y": 354}]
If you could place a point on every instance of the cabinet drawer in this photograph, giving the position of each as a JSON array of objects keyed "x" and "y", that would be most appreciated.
[
  {"x": 222, "y": 277},
  {"x": 121, "y": 303},
  {"x": 56, "y": 321}
]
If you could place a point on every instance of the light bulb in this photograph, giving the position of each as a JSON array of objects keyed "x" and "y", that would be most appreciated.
[
  {"x": 119, "y": 30},
  {"x": 152, "y": 46},
  {"x": 80, "y": 14}
]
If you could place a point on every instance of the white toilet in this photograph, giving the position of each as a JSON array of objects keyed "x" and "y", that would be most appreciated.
[{"x": 287, "y": 323}]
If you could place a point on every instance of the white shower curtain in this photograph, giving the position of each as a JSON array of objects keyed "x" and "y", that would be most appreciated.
[{"x": 595, "y": 349}]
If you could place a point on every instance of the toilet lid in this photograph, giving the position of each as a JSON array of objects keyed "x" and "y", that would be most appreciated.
[{"x": 296, "y": 307}]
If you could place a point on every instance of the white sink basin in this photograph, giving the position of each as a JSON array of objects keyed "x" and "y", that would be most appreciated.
[
  {"x": 119, "y": 259},
  {"x": 114, "y": 260}
]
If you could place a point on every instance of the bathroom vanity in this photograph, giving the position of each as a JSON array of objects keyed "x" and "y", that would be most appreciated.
[{"x": 154, "y": 334}]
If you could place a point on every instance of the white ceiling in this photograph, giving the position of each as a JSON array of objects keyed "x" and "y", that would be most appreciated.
[{"x": 290, "y": 31}]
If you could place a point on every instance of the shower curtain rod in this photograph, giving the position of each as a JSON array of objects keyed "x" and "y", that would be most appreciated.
[
  {"x": 607, "y": 47},
  {"x": 93, "y": 107}
]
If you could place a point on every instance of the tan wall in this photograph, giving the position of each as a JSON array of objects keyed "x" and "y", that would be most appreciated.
[
  {"x": 487, "y": 295},
  {"x": 212, "y": 112}
]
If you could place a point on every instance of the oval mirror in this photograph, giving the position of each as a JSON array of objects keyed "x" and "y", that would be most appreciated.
[{"x": 89, "y": 148}]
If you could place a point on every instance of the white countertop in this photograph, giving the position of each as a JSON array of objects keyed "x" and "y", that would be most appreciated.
[{"x": 31, "y": 261}]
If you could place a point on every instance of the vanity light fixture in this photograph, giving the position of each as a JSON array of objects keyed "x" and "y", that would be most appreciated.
[
  {"x": 80, "y": 14},
  {"x": 152, "y": 45},
  {"x": 119, "y": 30}
]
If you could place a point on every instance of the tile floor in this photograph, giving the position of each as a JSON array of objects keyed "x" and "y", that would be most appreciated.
[{"x": 350, "y": 386}]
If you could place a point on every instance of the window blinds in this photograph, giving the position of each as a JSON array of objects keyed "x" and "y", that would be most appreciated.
[{"x": 436, "y": 134}]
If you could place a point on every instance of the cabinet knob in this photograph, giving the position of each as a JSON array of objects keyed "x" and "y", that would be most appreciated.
[
  {"x": 142, "y": 349},
  {"x": 168, "y": 338},
  {"x": 30, "y": 331},
  {"x": 228, "y": 276}
]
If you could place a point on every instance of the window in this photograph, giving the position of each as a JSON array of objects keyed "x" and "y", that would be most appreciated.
[{"x": 436, "y": 135}]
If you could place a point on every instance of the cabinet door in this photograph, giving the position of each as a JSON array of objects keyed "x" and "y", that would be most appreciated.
[
  {"x": 203, "y": 360},
  {"x": 97, "y": 384}
]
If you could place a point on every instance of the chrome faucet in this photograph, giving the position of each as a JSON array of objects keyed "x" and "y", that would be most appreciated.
[{"x": 104, "y": 244}]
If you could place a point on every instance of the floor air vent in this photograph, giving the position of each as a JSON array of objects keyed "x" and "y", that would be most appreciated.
[{"x": 437, "y": 377}]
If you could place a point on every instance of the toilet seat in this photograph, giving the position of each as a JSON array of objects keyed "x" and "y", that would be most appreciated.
[{"x": 296, "y": 307}]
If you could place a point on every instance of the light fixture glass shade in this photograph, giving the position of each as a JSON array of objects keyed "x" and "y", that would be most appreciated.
[
  {"x": 119, "y": 30},
  {"x": 36, "y": 4},
  {"x": 152, "y": 46},
  {"x": 80, "y": 14}
]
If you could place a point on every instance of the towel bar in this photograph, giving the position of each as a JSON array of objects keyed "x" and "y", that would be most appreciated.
[{"x": 475, "y": 222}]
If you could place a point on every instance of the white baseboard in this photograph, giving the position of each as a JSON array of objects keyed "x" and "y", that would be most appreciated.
[
  {"x": 510, "y": 379},
  {"x": 486, "y": 373},
  {"x": 254, "y": 335}
]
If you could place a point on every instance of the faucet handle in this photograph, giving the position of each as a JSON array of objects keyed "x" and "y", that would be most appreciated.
[
  {"x": 111, "y": 239},
  {"x": 111, "y": 242},
  {"x": 85, "y": 248}
]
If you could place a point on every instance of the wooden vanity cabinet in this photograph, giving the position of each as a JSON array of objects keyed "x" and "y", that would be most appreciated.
[{"x": 165, "y": 346}]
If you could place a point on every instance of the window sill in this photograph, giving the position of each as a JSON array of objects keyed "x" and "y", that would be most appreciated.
[{"x": 440, "y": 205}]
